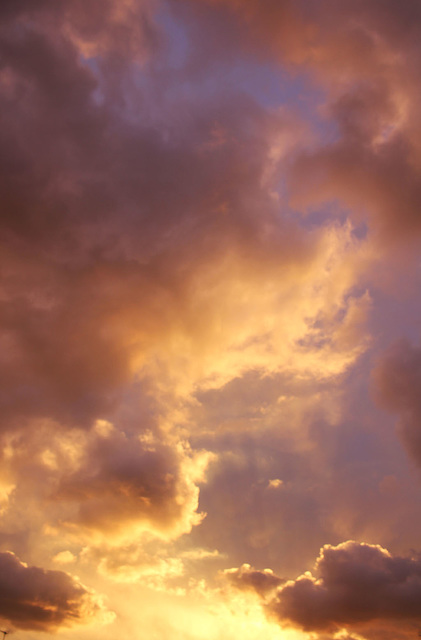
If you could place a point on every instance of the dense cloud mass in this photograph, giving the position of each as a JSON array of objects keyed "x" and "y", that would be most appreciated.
[
  {"x": 353, "y": 583},
  {"x": 43, "y": 600},
  {"x": 209, "y": 232},
  {"x": 116, "y": 233}
]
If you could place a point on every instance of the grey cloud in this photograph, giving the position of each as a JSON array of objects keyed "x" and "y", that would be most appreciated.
[
  {"x": 354, "y": 583},
  {"x": 43, "y": 600},
  {"x": 101, "y": 486},
  {"x": 123, "y": 485},
  {"x": 397, "y": 384},
  {"x": 247, "y": 578}
]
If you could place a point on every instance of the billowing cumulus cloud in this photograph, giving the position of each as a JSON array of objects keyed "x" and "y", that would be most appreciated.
[
  {"x": 354, "y": 583},
  {"x": 103, "y": 486},
  {"x": 122, "y": 485},
  {"x": 43, "y": 600}
]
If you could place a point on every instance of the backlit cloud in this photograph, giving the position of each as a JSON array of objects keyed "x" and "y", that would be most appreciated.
[
  {"x": 354, "y": 583},
  {"x": 104, "y": 485},
  {"x": 44, "y": 600}
]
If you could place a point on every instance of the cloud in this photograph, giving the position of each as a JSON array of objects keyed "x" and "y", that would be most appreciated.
[
  {"x": 245, "y": 577},
  {"x": 354, "y": 583},
  {"x": 396, "y": 383},
  {"x": 146, "y": 243},
  {"x": 104, "y": 485},
  {"x": 367, "y": 59},
  {"x": 281, "y": 527},
  {"x": 161, "y": 300},
  {"x": 44, "y": 600},
  {"x": 123, "y": 486},
  {"x": 124, "y": 30},
  {"x": 112, "y": 226},
  {"x": 151, "y": 260},
  {"x": 209, "y": 302}
]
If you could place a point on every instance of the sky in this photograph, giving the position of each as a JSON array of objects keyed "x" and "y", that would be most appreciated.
[{"x": 210, "y": 421}]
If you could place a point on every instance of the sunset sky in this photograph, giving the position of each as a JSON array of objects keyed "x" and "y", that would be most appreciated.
[{"x": 210, "y": 423}]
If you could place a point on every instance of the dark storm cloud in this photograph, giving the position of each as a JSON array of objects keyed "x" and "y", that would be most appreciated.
[
  {"x": 354, "y": 583},
  {"x": 43, "y": 600}
]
